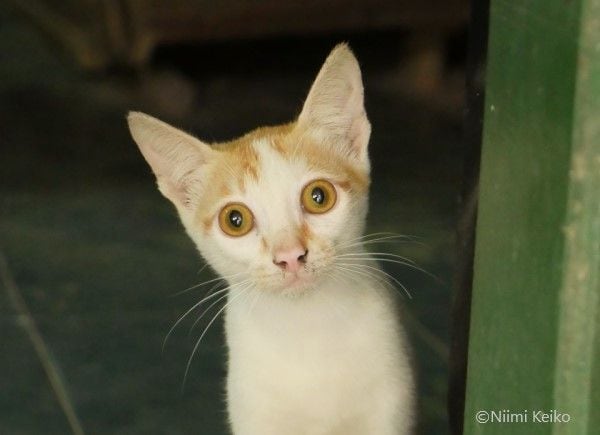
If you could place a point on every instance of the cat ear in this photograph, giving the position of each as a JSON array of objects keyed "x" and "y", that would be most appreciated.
[
  {"x": 174, "y": 156},
  {"x": 334, "y": 110}
]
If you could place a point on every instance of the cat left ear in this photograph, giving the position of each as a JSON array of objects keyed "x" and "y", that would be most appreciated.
[
  {"x": 174, "y": 156},
  {"x": 334, "y": 110}
]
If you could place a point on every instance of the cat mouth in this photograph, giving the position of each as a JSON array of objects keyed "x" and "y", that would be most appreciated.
[
  {"x": 292, "y": 279},
  {"x": 297, "y": 280}
]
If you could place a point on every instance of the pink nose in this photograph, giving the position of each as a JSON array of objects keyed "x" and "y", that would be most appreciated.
[{"x": 292, "y": 259}]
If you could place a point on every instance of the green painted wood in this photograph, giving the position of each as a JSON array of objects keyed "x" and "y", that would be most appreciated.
[
  {"x": 535, "y": 320},
  {"x": 577, "y": 377}
]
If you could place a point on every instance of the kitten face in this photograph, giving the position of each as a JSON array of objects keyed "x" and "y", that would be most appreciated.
[
  {"x": 270, "y": 210},
  {"x": 282, "y": 228}
]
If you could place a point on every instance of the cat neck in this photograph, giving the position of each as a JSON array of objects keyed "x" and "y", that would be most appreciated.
[
  {"x": 329, "y": 297},
  {"x": 325, "y": 318}
]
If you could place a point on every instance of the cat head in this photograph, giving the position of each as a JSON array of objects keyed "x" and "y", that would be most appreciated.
[{"x": 273, "y": 208}]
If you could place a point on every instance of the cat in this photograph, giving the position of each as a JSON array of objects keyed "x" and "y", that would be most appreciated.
[{"x": 315, "y": 342}]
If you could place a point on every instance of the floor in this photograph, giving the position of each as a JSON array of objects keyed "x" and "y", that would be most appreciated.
[{"x": 91, "y": 255}]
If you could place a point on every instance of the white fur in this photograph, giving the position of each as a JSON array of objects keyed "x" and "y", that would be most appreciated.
[
  {"x": 330, "y": 361},
  {"x": 328, "y": 355}
]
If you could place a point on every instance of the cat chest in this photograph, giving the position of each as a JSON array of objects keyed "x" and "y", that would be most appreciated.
[
  {"x": 309, "y": 381},
  {"x": 305, "y": 353}
]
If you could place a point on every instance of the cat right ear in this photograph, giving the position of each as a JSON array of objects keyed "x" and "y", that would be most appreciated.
[
  {"x": 334, "y": 110},
  {"x": 174, "y": 156}
]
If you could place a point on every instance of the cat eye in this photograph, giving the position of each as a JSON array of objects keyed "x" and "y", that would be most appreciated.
[
  {"x": 318, "y": 196},
  {"x": 236, "y": 219}
]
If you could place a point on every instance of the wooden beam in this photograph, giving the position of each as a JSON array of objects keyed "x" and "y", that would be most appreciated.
[{"x": 535, "y": 334}]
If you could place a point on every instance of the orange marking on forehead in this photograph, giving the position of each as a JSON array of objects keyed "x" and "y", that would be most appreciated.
[
  {"x": 225, "y": 190},
  {"x": 242, "y": 156},
  {"x": 279, "y": 145},
  {"x": 249, "y": 161},
  {"x": 239, "y": 162},
  {"x": 348, "y": 176},
  {"x": 321, "y": 158},
  {"x": 270, "y": 134}
]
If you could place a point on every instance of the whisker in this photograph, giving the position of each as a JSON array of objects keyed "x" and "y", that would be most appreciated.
[
  {"x": 181, "y": 318},
  {"x": 387, "y": 239},
  {"x": 366, "y": 236},
  {"x": 187, "y": 368},
  {"x": 388, "y": 260},
  {"x": 373, "y": 236},
  {"x": 355, "y": 268},
  {"x": 371, "y": 254},
  {"x": 196, "y": 305},
  {"x": 375, "y": 269},
  {"x": 202, "y": 284},
  {"x": 354, "y": 272},
  {"x": 206, "y": 310},
  {"x": 335, "y": 275},
  {"x": 213, "y": 288},
  {"x": 202, "y": 268}
]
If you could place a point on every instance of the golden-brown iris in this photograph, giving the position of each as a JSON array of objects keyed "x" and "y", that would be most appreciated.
[
  {"x": 236, "y": 219},
  {"x": 318, "y": 196}
]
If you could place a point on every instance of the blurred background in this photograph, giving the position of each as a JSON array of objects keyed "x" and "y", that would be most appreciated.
[{"x": 91, "y": 254}]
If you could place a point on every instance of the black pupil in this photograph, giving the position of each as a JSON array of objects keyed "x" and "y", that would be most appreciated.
[
  {"x": 236, "y": 219},
  {"x": 318, "y": 195}
]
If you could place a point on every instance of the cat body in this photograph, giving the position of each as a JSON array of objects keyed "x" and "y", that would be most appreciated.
[
  {"x": 314, "y": 337},
  {"x": 323, "y": 364}
]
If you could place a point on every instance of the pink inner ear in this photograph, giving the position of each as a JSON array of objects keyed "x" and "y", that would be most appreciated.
[
  {"x": 360, "y": 131},
  {"x": 173, "y": 173},
  {"x": 159, "y": 164},
  {"x": 334, "y": 108},
  {"x": 174, "y": 156}
]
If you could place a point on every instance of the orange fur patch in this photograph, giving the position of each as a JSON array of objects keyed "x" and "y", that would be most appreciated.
[
  {"x": 279, "y": 145},
  {"x": 345, "y": 185},
  {"x": 305, "y": 234},
  {"x": 320, "y": 158},
  {"x": 225, "y": 190},
  {"x": 240, "y": 155},
  {"x": 239, "y": 162}
]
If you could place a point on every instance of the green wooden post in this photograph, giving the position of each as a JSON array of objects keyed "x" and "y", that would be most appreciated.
[{"x": 535, "y": 321}]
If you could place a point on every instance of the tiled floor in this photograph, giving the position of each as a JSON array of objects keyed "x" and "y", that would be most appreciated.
[{"x": 96, "y": 253}]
